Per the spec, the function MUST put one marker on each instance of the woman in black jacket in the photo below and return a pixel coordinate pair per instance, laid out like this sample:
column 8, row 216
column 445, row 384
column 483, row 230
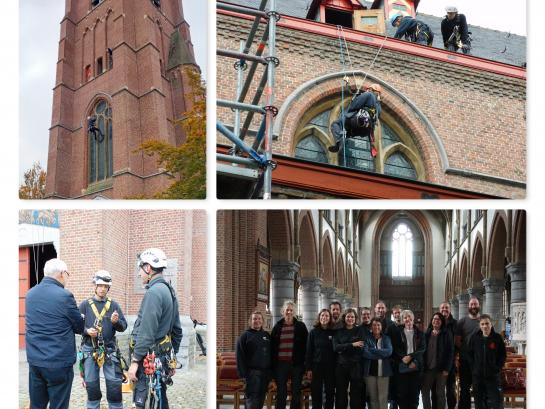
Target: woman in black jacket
column 348, row 344
column 320, row 360
column 409, row 344
column 438, row 361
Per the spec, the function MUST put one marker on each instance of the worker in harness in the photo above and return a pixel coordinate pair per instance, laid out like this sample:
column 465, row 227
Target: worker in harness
column 359, row 119
column 413, row 30
column 103, row 318
column 455, row 32
column 156, row 336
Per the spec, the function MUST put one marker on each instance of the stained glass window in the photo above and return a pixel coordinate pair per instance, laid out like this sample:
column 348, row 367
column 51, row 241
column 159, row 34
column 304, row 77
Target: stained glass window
column 100, row 144
column 402, row 251
column 321, row 120
column 398, row 165
column 358, row 154
column 310, row 148
column 389, row 137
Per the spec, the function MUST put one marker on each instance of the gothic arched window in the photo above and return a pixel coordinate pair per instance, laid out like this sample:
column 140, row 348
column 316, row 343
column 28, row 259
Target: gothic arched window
column 397, row 164
column 310, row 148
column 394, row 144
column 100, row 143
column 402, row 252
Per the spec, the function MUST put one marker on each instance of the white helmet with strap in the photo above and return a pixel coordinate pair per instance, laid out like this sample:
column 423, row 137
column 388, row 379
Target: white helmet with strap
column 154, row 257
column 103, row 277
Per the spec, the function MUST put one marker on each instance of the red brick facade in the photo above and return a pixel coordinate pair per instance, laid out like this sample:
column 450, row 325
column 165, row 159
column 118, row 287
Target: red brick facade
column 91, row 240
column 142, row 80
column 476, row 117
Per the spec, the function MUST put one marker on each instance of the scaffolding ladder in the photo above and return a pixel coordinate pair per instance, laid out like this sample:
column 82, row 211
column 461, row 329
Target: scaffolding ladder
column 258, row 163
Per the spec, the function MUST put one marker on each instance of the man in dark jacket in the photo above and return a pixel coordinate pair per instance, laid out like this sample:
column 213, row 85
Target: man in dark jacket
column 52, row 318
column 360, row 118
column 412, row 29
column 487, row 356
column 450, row 326
column 455, row 32
column 157, row 327
column 254, row 361
column 289, row 341
column 103, row 318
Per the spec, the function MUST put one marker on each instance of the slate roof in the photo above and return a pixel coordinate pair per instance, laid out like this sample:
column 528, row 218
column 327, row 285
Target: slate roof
column 487, row 43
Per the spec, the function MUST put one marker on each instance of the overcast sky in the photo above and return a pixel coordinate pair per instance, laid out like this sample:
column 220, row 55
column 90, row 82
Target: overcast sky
column 39, row 40
column 503, row 15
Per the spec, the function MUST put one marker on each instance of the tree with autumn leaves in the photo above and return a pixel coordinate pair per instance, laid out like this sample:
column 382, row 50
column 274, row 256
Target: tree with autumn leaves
column 187, row 162
column 33, row 186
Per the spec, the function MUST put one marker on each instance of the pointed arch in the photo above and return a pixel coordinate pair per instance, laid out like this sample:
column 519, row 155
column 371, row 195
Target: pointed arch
column 477, row 262
column 519, row 237
column 327, row 261
column 280, row 238
column 340, row 281
column 307, row 243
column 498, row 243
column 464, row 272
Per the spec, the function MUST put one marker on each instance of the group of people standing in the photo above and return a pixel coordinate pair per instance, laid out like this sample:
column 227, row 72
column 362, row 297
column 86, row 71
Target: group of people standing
column 454, row 30
column 361, row 362
column 52, row 318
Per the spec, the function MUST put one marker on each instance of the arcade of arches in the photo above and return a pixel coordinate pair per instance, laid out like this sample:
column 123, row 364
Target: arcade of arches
column 415, row 258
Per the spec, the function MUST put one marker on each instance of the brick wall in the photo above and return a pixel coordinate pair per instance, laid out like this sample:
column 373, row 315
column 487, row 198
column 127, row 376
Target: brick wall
column 479, row 116
column 111, row 239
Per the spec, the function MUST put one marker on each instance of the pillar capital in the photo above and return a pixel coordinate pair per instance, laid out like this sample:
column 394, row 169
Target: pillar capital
column 463, row 298
column 493, row 285
column 284, row 270
column 476, row 292
column 517, row 271
column 311, row 283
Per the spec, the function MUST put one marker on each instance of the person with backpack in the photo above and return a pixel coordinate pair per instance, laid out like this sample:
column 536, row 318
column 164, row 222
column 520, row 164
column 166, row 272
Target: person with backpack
column 413, row 30
column 157, row 332
column 455, row 32
column 359, row 119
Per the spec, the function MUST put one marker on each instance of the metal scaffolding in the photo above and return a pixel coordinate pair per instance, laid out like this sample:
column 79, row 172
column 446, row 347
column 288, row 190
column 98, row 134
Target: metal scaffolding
column 259, row 155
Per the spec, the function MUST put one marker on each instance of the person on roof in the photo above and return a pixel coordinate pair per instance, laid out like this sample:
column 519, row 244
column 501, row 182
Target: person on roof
column 412, row 29
column 103, row 318
column 454, row 31
column 360, row 118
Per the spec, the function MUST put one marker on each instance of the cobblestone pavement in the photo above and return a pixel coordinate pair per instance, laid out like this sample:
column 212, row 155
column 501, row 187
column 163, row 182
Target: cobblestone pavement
column 188, row 391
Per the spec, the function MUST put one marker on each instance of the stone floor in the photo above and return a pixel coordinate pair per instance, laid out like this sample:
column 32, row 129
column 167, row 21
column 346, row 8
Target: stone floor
column 188, row 391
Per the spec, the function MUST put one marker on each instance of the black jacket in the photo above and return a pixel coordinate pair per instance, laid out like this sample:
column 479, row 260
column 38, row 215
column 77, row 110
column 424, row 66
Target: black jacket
column 320, row 348
column 253, row 351
column 447, row 26
column 486, row 354
column 361, row 101
column 108, row 329
column 399, row 343
column 342, row 345
column 445, row 350
column 299, row 341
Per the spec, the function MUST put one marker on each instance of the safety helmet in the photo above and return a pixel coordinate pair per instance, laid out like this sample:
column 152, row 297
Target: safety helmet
column 451, row 9
column 394, row 18
column 154, row 257
column 103, row 277
column 375, row 87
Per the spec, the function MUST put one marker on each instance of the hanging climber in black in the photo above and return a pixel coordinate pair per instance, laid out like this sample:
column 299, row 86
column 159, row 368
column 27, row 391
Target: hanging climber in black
column 359, row 119
column 454, row 31
column 412, row 29
column 92, row 129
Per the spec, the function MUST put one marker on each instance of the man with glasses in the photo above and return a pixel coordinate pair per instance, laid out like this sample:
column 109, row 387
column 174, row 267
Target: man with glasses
column 52, row 318
column 103, row 318
column 157, row 329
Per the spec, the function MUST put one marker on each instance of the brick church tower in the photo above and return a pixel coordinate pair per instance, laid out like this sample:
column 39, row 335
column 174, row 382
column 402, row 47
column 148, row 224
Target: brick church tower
column 120, row 81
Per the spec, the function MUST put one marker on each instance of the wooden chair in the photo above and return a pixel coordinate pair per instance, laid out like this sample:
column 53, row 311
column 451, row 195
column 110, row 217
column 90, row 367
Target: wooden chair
column 229, row 388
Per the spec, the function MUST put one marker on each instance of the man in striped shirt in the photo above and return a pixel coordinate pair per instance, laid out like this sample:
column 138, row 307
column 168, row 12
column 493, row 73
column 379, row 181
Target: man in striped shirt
column 289, row 340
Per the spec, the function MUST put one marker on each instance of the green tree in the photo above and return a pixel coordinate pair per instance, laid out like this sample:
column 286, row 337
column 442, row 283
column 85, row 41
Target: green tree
column 33, row 186
column 187, row 162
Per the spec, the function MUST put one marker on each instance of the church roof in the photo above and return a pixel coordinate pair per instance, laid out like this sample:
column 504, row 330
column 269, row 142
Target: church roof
column 487, row 43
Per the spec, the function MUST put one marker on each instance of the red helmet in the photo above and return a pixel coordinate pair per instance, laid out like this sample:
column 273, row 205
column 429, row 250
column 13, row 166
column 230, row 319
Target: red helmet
column 375, row 87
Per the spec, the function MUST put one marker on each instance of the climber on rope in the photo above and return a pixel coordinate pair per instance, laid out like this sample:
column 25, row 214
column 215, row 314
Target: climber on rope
column 412, row 29
column 455, row 32
column 359, row 119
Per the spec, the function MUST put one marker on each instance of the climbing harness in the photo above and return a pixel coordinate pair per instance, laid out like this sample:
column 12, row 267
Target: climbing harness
column 99, row 351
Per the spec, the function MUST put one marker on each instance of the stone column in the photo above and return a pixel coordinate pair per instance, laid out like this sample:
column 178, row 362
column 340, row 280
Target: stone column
column 494, row 301
column 327, row 295
column 463, row 300
column 282, row 288
column 310, row 300
column 517, row 272
column 454, row 309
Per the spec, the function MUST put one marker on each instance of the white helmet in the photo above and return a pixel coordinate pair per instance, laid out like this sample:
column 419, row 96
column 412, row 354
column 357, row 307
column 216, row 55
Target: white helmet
column 451, row 9
column 154, row 257
column 103, row 277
